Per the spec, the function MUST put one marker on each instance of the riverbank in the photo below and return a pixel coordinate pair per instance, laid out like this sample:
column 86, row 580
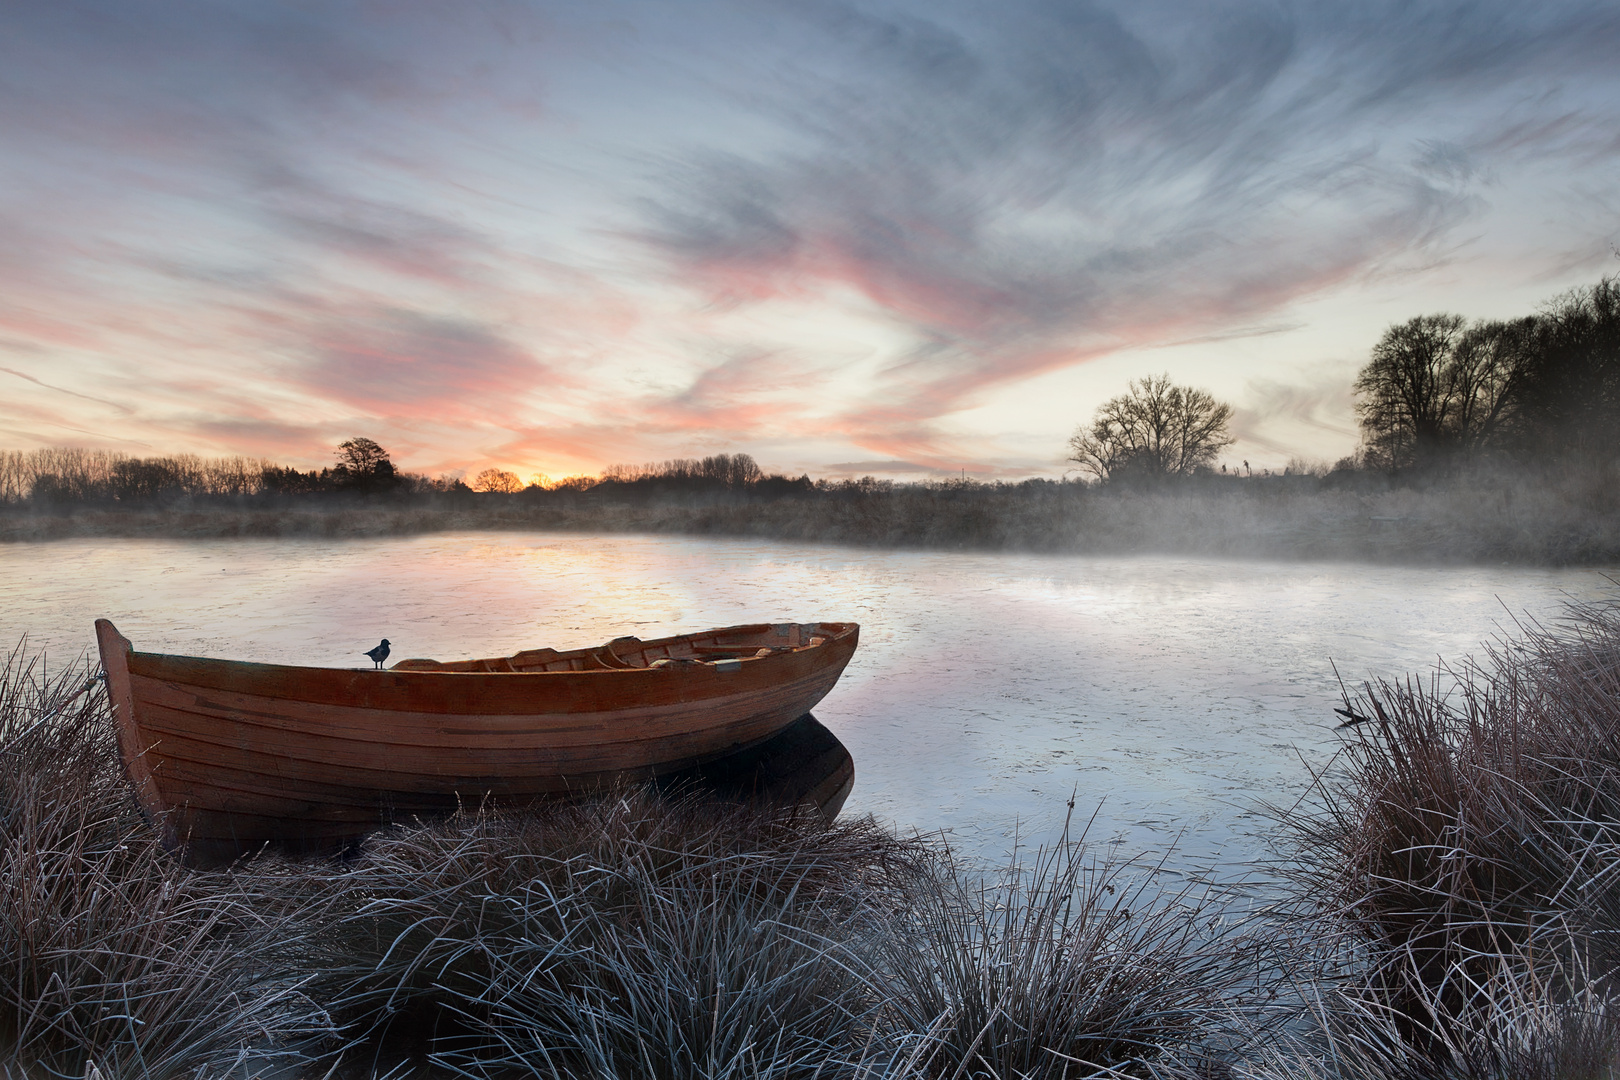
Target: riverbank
column 1548, row 520
column 1456, row 900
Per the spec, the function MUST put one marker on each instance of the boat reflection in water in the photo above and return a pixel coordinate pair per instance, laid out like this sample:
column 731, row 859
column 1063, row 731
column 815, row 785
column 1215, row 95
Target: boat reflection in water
column 804, row 765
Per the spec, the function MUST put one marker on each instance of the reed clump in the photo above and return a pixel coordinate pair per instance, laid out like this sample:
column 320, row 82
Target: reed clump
column 631, row 935
column 1520, row 1031
column 1466, row 845
column 638, row 936
column 1065, row 966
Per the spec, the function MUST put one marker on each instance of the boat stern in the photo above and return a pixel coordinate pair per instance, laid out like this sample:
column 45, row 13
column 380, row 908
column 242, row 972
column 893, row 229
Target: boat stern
column 132, row 746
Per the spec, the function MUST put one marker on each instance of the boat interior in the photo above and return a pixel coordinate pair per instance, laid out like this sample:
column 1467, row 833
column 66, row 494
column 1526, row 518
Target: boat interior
column 724, row 647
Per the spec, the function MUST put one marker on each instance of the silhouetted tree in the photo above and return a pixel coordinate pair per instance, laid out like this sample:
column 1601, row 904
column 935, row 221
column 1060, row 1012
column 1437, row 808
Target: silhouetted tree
column 730, row 470
column 497, row 480
column 362, row 456
column 363, row 465
column 137, row 479
column 1157, row 429
column 1436, row 388
column 1487, row 379
column 733, row 471
column 281, row 480
column 1404, row 401
column 1569, row 402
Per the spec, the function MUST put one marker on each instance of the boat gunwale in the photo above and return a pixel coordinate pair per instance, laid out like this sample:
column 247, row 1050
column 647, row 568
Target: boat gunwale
column 843, row 630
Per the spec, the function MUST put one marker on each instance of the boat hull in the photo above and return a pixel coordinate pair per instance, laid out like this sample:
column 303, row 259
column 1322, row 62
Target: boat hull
column 228, row 756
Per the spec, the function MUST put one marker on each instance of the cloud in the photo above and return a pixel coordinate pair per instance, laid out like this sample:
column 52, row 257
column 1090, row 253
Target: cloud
column 266, row 225
column 61, row 390
column 892, row 465
column 1062, row 180
column 268, row 436
column 394, row 239
column 1275, row 412
column 402, row 364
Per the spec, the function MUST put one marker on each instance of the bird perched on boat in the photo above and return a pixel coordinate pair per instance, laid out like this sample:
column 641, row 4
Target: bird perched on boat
column 379, row 654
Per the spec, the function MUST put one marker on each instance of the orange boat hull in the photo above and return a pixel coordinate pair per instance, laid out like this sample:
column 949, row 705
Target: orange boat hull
column 227, row 756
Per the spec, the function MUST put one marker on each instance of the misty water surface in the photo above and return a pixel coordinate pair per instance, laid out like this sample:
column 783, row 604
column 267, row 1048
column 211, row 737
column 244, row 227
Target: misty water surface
column 1173, row 693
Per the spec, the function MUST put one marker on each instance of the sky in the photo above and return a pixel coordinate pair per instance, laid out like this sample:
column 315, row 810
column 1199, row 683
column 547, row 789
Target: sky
column 906, row 239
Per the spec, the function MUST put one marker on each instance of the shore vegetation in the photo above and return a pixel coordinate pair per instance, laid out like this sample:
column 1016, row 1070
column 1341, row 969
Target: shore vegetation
column 1558, row 513
column 1448, row 908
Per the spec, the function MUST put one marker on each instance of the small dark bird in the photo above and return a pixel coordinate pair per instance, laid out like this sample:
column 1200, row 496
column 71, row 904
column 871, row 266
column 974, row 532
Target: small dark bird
column 380, row 653
column 1352, row 718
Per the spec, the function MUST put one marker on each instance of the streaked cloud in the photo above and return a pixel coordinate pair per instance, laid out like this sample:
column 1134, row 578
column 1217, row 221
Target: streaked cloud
column 399, row 363
column 550, row 237
column 1069, row 179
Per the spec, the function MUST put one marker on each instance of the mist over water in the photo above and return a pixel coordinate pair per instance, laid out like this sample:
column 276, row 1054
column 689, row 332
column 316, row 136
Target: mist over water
column 1174, row 692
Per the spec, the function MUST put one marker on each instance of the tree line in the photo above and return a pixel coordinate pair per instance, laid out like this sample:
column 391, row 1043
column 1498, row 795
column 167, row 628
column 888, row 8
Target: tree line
column 1439, row 390
column 58, row 475
column 74, row 474
column 362, row 469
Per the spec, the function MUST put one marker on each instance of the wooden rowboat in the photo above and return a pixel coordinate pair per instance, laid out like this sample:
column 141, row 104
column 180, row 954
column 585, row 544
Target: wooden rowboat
column 227, row 756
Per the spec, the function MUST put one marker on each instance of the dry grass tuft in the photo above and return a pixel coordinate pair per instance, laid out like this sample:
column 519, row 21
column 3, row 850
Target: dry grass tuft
column 1468, row 847
column 1519, row 1028
column 1066, row 966
column 627, row 935
column 111, row 955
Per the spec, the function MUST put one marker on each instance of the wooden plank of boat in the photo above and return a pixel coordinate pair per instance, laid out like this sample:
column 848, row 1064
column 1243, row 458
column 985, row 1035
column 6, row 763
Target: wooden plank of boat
column 229, row 755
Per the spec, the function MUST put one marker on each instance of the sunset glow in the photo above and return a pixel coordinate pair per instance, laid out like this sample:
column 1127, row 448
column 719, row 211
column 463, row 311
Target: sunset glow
column 898, row 238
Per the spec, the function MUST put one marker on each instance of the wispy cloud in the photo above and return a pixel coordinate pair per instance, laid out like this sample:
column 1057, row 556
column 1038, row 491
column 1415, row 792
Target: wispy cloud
column 502, row 229
column 1274, row 412
column 399, row 363
column 61, row 390
column 1059, row 181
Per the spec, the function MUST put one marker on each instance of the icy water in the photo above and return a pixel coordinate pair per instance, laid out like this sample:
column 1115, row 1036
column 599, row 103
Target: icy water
column 1169, row 695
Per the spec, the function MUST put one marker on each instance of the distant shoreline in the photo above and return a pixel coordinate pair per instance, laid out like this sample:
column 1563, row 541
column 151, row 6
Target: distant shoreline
column 1524, row 523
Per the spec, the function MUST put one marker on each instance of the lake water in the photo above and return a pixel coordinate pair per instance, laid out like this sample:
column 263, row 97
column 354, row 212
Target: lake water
column 1169, row 695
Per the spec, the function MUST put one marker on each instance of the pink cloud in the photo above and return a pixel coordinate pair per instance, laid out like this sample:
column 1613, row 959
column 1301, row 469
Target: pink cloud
column 404, row 365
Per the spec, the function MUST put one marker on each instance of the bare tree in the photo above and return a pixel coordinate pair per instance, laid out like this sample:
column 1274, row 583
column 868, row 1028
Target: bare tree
column 497, row 480
column 1571, row 396
column 1157, row 429
column 362, row 456
column 1405, row 402
column 723, row 470
column 1436, row 387
column 1486, row 379
column 732, row 470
